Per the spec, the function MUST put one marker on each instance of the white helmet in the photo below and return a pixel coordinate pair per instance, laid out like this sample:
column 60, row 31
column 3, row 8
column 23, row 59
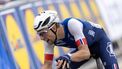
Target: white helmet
column 45, row 20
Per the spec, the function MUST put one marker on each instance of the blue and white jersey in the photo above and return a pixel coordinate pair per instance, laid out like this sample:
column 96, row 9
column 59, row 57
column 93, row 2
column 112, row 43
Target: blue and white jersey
column 78, row 31
column 84, row 32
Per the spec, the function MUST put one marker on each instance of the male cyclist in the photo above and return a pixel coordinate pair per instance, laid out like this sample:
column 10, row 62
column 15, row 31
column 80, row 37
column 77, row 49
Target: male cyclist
column 87, row 38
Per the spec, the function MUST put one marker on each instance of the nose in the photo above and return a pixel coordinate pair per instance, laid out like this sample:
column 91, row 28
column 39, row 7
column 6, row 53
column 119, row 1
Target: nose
column 43, row 38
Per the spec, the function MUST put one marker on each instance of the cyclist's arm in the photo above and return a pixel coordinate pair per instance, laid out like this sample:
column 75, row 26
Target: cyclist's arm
column 48, row 56
column 76, row 29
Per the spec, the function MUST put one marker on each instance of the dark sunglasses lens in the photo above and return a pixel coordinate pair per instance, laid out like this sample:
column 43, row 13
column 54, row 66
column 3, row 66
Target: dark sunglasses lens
column 42, row 33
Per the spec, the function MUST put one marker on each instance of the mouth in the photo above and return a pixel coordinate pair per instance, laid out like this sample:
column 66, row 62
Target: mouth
column 49, row 41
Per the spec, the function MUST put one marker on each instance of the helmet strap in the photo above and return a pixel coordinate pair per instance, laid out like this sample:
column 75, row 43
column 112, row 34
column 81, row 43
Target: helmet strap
column 54, row 33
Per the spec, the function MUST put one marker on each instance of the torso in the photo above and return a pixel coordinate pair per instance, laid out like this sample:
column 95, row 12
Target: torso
column 89, row 30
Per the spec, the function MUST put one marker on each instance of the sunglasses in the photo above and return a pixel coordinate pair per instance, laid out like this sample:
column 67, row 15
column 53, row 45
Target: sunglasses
column 42, row 33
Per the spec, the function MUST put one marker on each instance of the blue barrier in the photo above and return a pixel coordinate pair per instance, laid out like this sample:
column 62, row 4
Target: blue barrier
column 8, row 61
column 4, row 62
column 21, row 13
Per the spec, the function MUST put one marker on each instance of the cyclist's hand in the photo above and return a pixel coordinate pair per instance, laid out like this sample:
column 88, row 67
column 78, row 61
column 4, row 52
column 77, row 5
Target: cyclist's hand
column 63, row 62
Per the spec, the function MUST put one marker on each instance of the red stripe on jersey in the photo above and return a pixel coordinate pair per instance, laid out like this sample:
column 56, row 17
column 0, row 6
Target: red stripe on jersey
column 78, row 42
column 48, row 56
column 83, row 41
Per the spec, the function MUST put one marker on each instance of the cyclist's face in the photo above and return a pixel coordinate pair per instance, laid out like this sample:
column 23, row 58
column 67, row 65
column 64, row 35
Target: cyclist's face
column 47, row 35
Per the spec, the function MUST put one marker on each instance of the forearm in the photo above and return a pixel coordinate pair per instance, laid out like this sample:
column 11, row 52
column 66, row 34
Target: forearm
column 47, row 65
column 80, row 55
column 48, row 56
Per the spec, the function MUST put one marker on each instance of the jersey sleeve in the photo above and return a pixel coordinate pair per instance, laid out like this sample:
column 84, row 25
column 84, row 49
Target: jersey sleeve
column 76, row 29
column 49, row 51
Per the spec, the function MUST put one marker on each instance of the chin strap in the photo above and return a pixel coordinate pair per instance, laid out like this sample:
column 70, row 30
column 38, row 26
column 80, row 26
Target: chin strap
column 54, row 33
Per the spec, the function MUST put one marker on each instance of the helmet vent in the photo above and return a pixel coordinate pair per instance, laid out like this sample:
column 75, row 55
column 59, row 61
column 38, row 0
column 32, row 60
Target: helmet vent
column 38, row 25
column 46, row 21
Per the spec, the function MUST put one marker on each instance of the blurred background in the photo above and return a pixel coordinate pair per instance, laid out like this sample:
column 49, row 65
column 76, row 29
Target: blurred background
column 20, row 46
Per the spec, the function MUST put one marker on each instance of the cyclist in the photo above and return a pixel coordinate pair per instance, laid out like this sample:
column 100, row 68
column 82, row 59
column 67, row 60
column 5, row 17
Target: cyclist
column 87, row 38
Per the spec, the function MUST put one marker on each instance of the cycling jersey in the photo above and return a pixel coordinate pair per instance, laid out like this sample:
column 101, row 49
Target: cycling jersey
column 85, row 32
column 78, row 30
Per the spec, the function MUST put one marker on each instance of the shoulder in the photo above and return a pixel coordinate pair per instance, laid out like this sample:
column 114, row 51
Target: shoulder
column 75, row 26
column 66, row 20
column 74, row 20
column 74, row 23
column 71, row 19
